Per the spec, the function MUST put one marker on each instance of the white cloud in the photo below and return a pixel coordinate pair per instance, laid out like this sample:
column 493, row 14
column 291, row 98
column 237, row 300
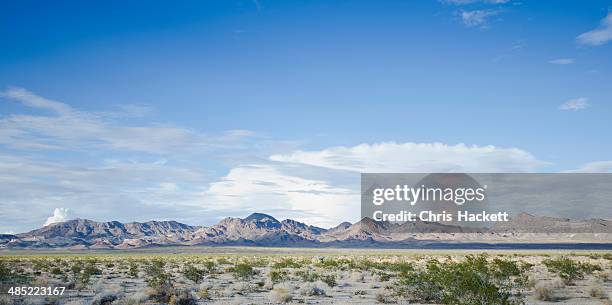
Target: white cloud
column 594, row 167
column 59, row 215
column 477, row 17
column 322, row 187
column 600, row 35
column 575, row 104
column 268, row 188
column 562, row 61
column 417, row 157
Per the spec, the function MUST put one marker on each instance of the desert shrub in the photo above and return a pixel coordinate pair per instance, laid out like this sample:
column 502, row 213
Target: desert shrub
column 133, row 269
column 8, row 276
column 243, row 271
column 242, row 287
column 336, row 263
column 568, row 269
column 383, row 276
column 277, row 276
column 473, row 281
column 605, row 275
column 589, row 268
column 402, row 267
column 159, row 281
column 286, row 263
column 209, row 266
column 595, row 289
column 81, row 275
column 307, row 276
column 204, row 292
column 544, row 291
column 329, row 279
column 313, row 289
column 5, row 300
column 280, row 294
column 182, row 297
column 106, row 298
column 357, row 276
column 40, row 265
column 192, row 273
column 91, row 269
column 384, row 298
column 607, row 256
column 56, row 271
column 223, row 261
column 136, row 298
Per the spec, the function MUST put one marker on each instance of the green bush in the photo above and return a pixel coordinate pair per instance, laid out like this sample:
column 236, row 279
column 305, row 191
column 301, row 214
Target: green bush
column 159, row 281
column 330, row 280
column 277, row 276
column 307, row 276
column 192, row 273
column 472, row 281
column 286, row 263
column 568, row 269
column 133, row 269
column 243, row 271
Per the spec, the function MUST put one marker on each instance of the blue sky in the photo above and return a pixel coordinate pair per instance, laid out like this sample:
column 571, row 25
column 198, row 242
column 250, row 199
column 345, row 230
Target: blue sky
column 205, row 109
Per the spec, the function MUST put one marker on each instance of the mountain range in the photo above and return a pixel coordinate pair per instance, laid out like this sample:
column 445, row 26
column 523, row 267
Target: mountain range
column 264, row 230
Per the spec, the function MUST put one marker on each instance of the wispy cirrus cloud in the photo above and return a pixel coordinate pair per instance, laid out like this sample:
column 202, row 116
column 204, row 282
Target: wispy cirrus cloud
column 466, row 2
column 478, row 18
column 598, row 36
column 562, row 61
column 594, row 167
column 102, row 166
column 575, row 104
column 68, row 128
column 417, row 157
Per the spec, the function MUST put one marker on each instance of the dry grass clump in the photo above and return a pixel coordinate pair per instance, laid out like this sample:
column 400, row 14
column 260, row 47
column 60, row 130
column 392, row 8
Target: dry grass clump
column 384, row 298
column 5, row 300
column 606, row 302
column 136, row 298
column 204, row 291
column 595, row 289
column 605, row 275
column 182, row 297
column 240, row 288
column 357, row 276
column 280, row 294
column 545, row 291
column 318, row 288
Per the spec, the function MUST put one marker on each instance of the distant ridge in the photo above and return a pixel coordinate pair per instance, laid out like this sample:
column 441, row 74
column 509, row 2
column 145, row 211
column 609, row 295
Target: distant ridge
column 260, row 229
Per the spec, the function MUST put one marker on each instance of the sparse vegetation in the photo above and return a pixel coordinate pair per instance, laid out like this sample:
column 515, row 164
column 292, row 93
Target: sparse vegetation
column 456, row 279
